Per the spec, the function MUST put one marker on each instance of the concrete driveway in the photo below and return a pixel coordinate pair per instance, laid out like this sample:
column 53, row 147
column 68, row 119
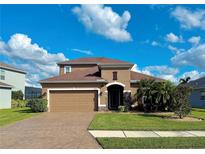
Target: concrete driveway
column 50, row 130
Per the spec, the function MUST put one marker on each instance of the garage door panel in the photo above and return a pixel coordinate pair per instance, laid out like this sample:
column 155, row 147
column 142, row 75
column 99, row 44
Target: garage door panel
column 73, row 101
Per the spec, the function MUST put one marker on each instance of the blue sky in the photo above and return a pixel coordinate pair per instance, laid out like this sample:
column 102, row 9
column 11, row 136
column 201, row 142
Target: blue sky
column 162, row 40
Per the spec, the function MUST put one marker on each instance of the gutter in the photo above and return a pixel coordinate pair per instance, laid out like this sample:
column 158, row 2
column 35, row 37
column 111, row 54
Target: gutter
column 115, row 65
column 99, row 64
column 4, row 86
column 13, row 69
column 75, row 81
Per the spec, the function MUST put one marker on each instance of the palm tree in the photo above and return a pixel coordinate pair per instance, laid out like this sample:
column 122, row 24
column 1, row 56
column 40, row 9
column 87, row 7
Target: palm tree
column 185, row 80
column 155, row 95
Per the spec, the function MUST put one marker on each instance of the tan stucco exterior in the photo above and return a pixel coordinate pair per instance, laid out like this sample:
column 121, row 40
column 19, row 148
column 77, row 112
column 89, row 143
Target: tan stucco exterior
column 75, row 68
column 123, row 77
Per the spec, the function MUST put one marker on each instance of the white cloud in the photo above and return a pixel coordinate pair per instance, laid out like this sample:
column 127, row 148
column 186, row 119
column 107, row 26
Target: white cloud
column 104, row 21
column 171, row 78
column 192, row 57
column 168, row 73
column 171, row 37
column 87, row 52
column 176, row 50
column 35, row 60
column 188, row 18
column 163, row 69
column 194, row 40
column 192, row 74
column 135, row 68
column 154, row 43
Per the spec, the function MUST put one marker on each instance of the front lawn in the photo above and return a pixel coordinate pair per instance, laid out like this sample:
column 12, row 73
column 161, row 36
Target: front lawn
column 152, row 143
column 8, row 116
column 132, row 121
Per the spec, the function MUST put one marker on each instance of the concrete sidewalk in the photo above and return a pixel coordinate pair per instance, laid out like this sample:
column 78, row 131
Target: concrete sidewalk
column 120, row 133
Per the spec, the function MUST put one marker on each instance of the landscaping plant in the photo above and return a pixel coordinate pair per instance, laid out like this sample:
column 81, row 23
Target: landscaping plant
column 182, row 106
column 155, row 96
column 127, row 100
column 18, row 103
column 121, row 108
column 17, row 95
column 38, row 105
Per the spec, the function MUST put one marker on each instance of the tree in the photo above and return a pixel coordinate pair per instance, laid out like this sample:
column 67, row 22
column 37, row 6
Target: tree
column 182, row 106
column 144, row 94
column 185, row 80
column 17, row 95
column 155, row 96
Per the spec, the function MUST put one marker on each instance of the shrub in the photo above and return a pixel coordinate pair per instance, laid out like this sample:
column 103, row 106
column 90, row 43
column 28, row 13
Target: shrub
column 38, row 105
column 18, row 103
column 121, row 108
column 17, row 95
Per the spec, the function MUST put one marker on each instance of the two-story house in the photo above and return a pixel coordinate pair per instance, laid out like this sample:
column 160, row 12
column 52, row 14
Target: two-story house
column 11, row 79
column 91, row 84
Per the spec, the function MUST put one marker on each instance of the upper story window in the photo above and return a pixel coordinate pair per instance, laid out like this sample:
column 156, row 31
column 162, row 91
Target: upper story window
column 67, row 69
column 2, row 74
column 114, row 75
column 202, row 95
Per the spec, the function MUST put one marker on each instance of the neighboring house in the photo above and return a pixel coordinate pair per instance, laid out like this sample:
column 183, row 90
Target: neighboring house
column 12, row 76
column 32, row 92
column 5, row 96
column 91, row 84
column 11, row 79
column 197, row 97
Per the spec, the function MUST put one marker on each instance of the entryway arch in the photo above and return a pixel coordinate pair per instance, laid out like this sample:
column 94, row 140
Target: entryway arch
column 115, row 95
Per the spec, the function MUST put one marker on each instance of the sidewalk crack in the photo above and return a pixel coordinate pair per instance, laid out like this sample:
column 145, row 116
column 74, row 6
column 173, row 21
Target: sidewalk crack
column 124, row 134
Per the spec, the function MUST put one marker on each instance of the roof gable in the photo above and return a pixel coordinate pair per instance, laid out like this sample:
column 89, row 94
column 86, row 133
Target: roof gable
column 91, row 74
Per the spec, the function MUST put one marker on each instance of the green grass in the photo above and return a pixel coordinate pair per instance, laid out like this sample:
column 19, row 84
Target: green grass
column 120, row 121
column 8, row 116
column 152, row 143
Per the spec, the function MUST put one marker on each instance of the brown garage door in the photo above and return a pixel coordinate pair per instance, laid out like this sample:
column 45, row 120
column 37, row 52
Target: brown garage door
column 73, row 101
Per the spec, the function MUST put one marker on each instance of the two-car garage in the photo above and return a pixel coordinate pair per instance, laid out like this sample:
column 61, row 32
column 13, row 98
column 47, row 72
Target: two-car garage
column 68, row 100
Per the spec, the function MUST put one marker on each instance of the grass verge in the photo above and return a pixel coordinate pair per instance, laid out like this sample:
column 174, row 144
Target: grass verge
column 153, row 143
column 133, row 121
column 8, row 116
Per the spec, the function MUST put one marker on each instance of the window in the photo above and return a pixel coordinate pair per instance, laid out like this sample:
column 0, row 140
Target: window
column 202, row 95
column 67, row 69
column 2, row 74
column 114, row 75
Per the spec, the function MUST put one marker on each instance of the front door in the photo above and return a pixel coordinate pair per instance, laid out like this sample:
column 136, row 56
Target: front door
column 115, row 96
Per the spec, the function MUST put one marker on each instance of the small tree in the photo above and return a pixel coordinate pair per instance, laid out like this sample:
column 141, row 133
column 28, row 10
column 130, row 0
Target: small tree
column 182, row 106
column 127, row 101
column 17, row 95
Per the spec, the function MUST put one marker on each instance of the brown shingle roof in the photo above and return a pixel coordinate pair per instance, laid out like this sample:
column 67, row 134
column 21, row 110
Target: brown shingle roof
column 91, row 74
column 5, row 85
column 94, row 60
column 6, row 66
column 141, row 76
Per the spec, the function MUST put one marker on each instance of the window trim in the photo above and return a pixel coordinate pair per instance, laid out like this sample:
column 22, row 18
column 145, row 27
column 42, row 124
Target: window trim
column 114, row 75
column 65, row 67
column 2, row 74
column 202, row 96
